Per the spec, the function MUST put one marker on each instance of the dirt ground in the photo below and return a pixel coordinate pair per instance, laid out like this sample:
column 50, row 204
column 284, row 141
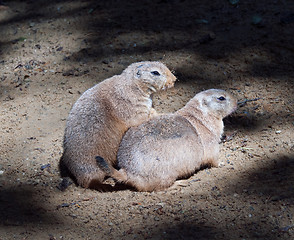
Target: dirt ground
column 52, row 51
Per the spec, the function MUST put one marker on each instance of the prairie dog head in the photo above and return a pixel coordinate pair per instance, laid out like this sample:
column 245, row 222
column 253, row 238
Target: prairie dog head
column 153, row 75
column 216, row 102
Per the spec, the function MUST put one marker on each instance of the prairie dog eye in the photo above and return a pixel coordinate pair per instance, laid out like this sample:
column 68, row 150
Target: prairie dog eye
column 221, row 98
column 155, row 73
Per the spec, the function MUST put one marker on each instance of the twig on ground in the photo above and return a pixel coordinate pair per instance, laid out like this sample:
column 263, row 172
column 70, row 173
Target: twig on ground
column 242, row 103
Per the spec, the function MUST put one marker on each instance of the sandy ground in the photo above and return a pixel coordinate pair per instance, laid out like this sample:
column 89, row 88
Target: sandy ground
column 52, row 51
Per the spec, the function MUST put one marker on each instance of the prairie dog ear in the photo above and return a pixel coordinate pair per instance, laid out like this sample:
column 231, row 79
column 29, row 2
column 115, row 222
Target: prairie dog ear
column 204, row 102
column 139, row 73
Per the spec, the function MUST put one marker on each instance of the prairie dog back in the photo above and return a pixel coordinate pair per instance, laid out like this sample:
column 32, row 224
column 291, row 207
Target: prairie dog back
column 149, row 154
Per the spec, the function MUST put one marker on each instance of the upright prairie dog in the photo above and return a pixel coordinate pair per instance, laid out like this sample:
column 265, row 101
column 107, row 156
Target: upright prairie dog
column 153, row 155
column 100, row 117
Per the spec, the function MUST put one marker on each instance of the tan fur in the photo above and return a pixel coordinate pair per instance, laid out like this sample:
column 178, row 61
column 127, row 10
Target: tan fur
column 101, row 116
column 153, row 155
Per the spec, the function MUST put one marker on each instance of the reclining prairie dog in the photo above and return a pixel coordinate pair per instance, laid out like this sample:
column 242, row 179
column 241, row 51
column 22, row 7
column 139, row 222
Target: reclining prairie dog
column 100, row 117
column 153, row 155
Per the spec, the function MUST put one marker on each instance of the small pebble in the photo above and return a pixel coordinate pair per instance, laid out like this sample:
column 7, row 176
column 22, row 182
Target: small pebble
column 65, row 205
column 45, row 166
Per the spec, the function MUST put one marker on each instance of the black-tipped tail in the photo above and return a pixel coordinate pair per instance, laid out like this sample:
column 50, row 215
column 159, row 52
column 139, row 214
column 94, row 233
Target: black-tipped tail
column 103, row 165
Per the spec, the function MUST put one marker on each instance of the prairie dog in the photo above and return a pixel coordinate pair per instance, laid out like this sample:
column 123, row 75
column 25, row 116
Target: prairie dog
column 153, row 155
column 100, row 117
